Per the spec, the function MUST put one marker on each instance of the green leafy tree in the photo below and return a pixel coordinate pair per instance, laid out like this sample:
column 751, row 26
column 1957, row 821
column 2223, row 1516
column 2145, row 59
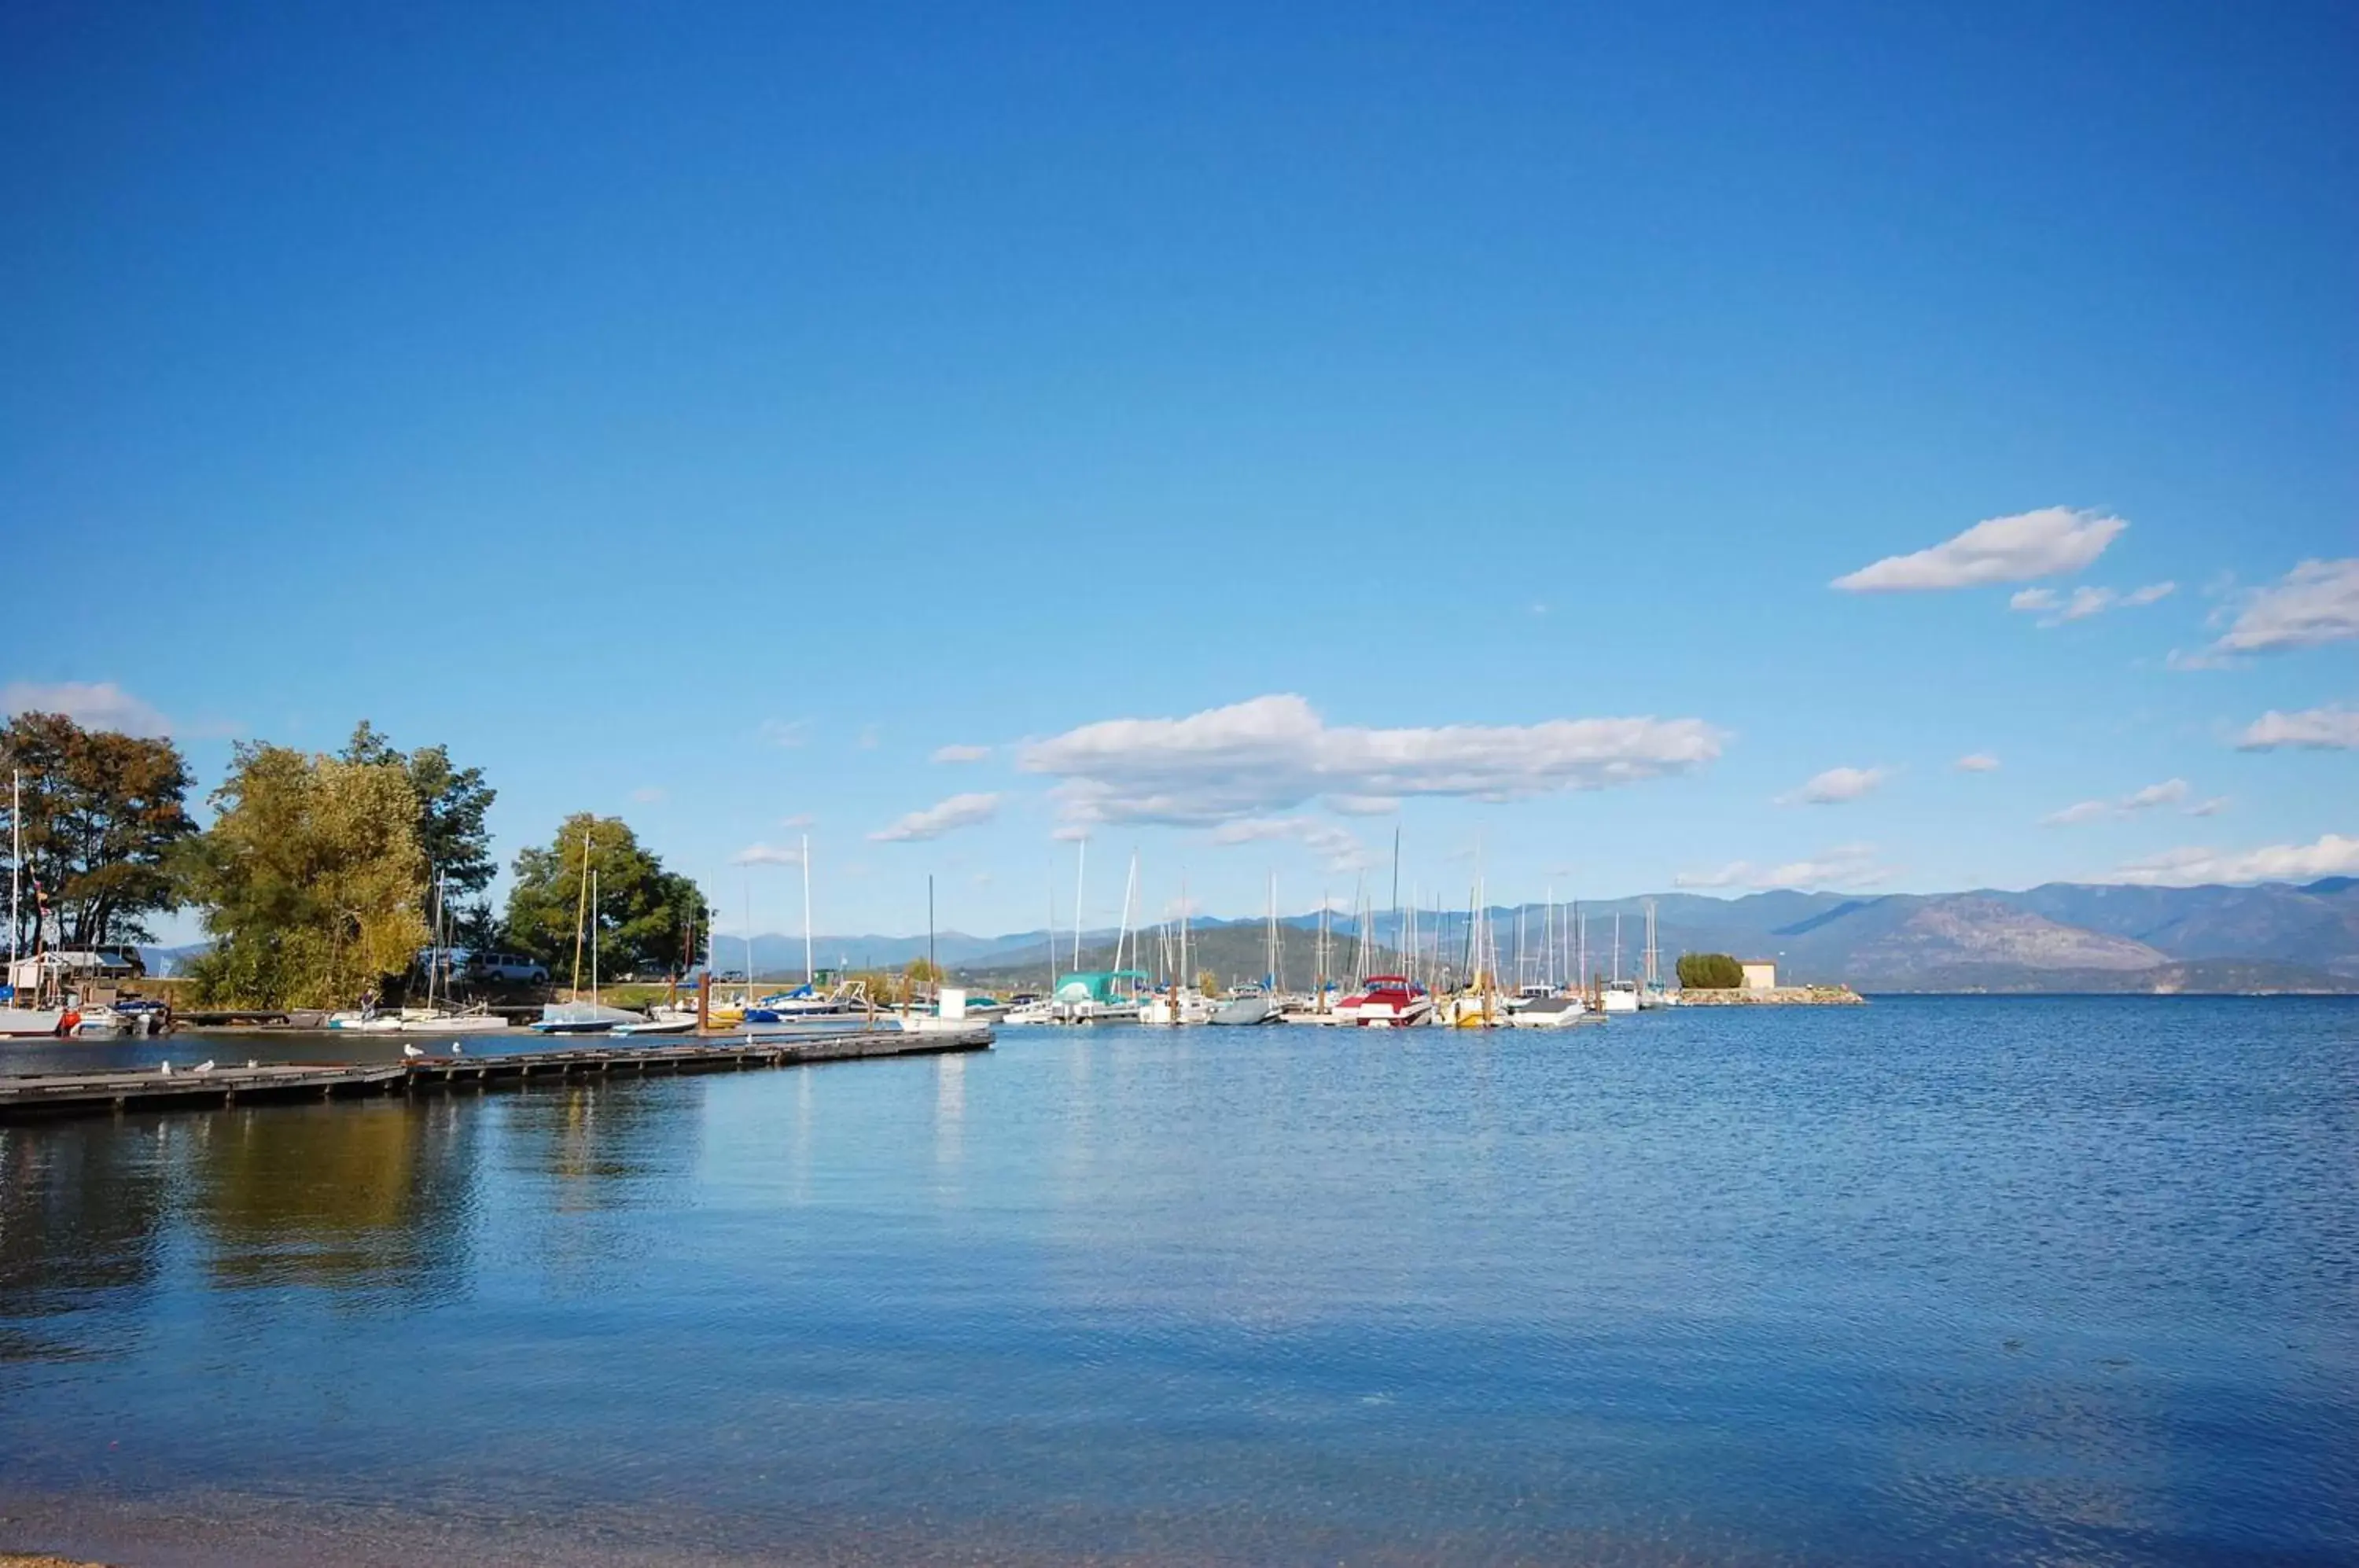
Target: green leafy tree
column 453, row 806
column 643, row 915
column 1709, row 972
column 103, row 814
column 309, row 880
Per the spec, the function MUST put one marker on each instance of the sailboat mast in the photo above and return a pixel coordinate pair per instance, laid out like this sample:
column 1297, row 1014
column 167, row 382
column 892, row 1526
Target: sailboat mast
column 809, row 973
column 16, row 862
column 581, row 913
column 594, row 939
column 1081, row 872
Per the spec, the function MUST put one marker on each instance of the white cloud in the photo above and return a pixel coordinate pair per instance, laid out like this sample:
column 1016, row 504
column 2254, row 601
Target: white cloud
column 1836, row 785
column 768, row 854
column 2332, row 855
column 1977, row 762
column 799, row 820
column 2317, row 603
column 2330, row 728
column 1363, row 805
column 1336, row 845
column 2170, row 793
column 961, row 753
column 99, row 705
column 1845, row 866
column 958, row 812
column 2044, row 543
column 2085, row 600
column 871, row 736
column 648, row 794
column 1258, row 758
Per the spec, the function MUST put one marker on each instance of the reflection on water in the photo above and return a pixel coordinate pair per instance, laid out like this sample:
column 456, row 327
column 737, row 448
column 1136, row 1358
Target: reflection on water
column 1953, row 1280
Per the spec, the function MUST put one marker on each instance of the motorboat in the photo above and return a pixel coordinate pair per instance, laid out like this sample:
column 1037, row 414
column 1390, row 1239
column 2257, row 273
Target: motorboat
column 1386, row 1001
column 1252, row 1006
column 1619, row 996
column 1552, row 1012
column 30, row 1023
column 1179, row 1006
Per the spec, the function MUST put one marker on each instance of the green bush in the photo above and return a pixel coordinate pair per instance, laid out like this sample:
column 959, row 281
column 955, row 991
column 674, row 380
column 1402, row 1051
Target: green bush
column 1709, row 972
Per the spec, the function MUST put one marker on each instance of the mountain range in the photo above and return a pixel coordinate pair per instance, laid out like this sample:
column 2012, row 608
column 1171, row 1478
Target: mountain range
column 2061, row 936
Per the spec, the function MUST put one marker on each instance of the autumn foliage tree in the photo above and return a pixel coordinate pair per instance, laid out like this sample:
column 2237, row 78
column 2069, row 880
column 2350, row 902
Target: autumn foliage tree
column 103, row 814
column 310, row 877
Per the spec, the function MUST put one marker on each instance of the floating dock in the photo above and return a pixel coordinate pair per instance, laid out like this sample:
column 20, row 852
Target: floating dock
column 37, row 1094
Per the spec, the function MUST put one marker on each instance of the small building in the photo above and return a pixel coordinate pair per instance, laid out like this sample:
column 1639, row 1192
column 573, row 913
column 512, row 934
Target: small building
column 1760, row 973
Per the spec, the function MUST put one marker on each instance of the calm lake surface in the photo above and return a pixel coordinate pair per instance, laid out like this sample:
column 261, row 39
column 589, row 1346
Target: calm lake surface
column 2054, row 1281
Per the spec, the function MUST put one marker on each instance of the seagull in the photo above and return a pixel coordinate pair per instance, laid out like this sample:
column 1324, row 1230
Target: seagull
column 252, row 1062
column 411, row 1053
column 204, row 1066
column 167, row 1067
column 457, row 1050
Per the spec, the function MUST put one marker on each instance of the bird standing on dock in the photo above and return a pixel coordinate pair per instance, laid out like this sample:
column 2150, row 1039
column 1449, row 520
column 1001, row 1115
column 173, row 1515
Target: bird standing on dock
column 410, row 1053
column 458, row 1049
column 204, row 1066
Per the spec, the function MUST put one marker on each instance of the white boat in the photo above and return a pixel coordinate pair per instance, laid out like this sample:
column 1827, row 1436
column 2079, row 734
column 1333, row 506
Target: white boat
column 1552, row 1012
column 30, row 1023
column 1619, row 996
column 1386, row 1001
column 99, row 1022
column 1248, row 1007
column 365, row 1020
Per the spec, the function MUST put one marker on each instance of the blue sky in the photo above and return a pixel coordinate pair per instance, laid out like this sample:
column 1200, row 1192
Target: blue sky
column 706, row 415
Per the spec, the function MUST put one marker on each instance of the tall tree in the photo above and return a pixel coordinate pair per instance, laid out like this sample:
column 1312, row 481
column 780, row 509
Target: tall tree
column 452, row 805
column 643, row 914
column 103, row 812
column 310, row 878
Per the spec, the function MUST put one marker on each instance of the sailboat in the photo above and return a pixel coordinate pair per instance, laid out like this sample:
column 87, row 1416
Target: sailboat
column 577, row 1016
column 1258, row 1004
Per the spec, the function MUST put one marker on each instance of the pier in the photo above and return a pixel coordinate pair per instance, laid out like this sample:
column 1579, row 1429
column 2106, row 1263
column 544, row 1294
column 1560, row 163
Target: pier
column 41, row 1095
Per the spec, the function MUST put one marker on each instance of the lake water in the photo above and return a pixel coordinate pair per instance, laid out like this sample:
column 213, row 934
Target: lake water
column 2032, row 1280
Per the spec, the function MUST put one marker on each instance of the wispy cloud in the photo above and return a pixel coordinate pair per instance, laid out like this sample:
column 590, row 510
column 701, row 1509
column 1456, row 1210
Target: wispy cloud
column 961, row 753
column 1335, row 845
column 2044, row 543
column 2334, row 855
column 2330, row 728
column 1845, row 866
column 799, row 820
column 2153, row 796
column 768, row 854
column 1977, row 762
column 958, row 812
column 786, row 733
column 2315, row 602
column 2055, row 609
column 95, row 706
column 648, row 794
column 1836, row 787
column 1266, row 756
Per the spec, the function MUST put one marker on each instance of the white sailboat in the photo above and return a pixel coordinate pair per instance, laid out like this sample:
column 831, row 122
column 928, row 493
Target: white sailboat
column 17, row 1021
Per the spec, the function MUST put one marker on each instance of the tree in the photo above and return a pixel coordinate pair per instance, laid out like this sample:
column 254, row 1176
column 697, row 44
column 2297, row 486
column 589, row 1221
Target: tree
column 103, row 814
column 453, row 803
column 1709, row 972
column 310, row 878
column 644, row 913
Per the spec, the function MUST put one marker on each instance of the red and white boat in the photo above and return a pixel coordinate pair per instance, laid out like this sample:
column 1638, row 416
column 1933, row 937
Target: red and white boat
column 1386, row 1001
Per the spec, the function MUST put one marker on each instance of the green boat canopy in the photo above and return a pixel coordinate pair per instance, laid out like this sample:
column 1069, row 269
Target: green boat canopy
column 1100, row 985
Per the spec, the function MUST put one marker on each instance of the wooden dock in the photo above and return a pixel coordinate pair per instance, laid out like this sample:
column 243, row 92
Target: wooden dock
column 37, row 1094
